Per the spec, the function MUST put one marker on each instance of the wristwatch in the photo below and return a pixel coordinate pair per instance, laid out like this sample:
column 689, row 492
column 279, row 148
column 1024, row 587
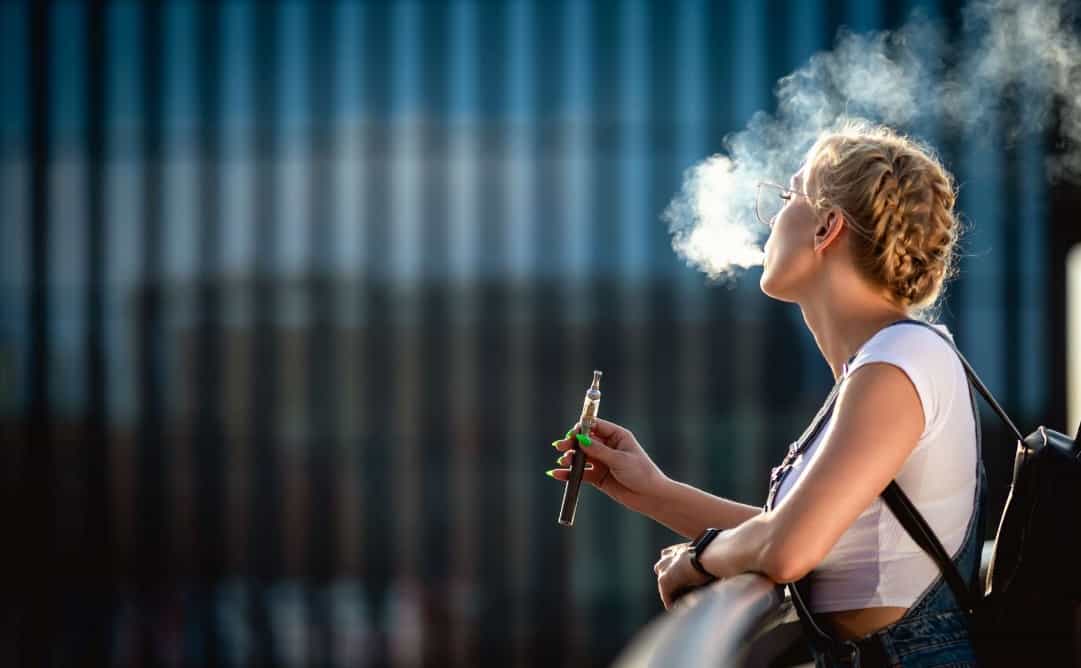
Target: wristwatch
column 698, row 545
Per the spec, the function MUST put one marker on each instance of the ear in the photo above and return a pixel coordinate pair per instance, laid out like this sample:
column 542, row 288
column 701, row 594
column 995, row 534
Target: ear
column 828, row 229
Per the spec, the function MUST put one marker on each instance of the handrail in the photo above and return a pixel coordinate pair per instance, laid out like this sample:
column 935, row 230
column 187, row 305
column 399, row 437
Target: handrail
column 711, row 626
column 737, row 622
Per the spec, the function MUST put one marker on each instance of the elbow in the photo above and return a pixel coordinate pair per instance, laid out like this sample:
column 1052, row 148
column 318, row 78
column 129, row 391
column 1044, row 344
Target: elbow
column 785, row 564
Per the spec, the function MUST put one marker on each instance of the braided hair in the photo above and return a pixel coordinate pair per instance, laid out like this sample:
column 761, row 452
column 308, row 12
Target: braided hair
column 899, row 200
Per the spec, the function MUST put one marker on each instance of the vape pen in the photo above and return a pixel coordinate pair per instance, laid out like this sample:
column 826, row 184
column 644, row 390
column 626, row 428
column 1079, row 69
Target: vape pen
column 578, row 462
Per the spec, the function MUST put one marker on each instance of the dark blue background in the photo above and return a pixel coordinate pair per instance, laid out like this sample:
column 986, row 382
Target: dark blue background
column 293, row 298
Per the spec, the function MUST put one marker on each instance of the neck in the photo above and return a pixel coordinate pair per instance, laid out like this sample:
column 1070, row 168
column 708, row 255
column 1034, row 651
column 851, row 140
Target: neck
column 841, row 326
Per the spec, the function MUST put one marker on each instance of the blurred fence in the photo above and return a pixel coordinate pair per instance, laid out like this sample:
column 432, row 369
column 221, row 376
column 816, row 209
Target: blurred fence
column 293, row 297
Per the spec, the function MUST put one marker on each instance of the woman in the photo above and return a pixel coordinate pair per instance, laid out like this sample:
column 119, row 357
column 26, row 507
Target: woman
column 864, row 237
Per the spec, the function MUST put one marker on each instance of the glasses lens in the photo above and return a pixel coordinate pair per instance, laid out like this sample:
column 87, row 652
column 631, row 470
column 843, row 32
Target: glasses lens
column 768, row 203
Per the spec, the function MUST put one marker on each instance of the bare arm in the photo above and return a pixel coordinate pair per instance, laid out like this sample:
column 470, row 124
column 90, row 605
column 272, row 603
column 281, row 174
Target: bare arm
column 688, row 510
column 879, row 419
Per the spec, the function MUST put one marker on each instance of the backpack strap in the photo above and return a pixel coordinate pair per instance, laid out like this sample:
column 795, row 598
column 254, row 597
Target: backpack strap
column 980, row 387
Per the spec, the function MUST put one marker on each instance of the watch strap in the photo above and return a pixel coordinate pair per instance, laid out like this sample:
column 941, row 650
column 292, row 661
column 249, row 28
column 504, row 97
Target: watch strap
column 699, row 544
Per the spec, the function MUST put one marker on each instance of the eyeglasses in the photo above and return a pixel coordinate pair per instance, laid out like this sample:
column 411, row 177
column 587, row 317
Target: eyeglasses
column 770, row 198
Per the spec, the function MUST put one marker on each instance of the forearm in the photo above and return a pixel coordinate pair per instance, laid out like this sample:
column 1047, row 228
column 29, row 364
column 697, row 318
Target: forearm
column 688, row 510
column 748, row 548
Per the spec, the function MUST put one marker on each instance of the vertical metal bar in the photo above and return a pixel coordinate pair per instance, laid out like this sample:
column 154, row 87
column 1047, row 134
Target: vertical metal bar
column 97, row 576
column 982, row 339
column 580, row 204
column 717, row 320
column 643, row 293
column 15, row 282
column 150, row 541
column 690, row 74
column 38, row 594
column 520, row 22
column 604, row 329
column 1010, row 274
column 465, row 256
column 1033, row 357
column 545, row 420
column 750, row 37
column 211, row 458
column 492, row 332
column 806, row 34
column 324, row 374
column 377, row 440
column 232, row 117
column 436, row 384
column 408, row 117
column 346, row 147
column 265, row 557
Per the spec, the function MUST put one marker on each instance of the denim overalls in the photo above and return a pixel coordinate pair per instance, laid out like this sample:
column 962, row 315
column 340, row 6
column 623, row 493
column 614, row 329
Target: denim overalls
column 934, row 630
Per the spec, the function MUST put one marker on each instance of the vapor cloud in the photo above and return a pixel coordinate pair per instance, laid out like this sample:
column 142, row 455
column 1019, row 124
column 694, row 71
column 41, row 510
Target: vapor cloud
column 1016, row 64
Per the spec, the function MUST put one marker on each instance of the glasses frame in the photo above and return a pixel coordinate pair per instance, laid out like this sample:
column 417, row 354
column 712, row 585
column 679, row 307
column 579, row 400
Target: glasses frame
column 785, row 190
column 782, row 192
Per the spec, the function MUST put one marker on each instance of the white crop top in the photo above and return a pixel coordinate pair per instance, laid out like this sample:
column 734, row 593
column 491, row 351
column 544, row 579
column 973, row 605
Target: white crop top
column 875, row 562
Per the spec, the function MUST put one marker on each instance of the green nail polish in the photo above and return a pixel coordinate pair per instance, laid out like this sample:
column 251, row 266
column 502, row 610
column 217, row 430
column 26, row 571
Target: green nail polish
column 549, row 473
column 584, row 440
column 559, row 460
column 569, row 432
column 555, row 444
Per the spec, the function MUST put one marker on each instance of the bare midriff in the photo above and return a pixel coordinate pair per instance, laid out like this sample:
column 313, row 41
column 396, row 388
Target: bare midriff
column 849, row 624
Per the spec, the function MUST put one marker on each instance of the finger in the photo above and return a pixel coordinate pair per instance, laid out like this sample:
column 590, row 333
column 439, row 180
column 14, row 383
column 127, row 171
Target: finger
column 664, row 562
column 607, row 430
column 597, row 449
column 675, row 548
column 659, row 566
column 567, row 458
column 591, row 474
column 679, row 593
column 664, row 594
column 573, row 441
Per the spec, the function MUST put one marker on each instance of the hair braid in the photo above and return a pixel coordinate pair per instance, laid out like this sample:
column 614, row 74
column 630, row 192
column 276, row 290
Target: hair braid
column 902, row 201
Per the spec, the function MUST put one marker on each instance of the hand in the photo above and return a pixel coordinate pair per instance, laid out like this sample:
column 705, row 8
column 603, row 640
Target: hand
column 616, row 464
column 675, row 574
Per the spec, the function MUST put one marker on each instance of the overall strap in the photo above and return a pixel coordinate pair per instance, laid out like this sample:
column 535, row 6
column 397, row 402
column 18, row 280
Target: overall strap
column 917, row 527
column 810, row 626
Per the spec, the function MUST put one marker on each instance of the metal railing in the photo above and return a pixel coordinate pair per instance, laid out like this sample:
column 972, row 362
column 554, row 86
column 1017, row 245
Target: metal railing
column 736, row 622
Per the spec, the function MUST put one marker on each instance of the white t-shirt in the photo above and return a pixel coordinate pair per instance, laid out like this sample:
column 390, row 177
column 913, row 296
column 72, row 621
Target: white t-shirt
column 875, row 562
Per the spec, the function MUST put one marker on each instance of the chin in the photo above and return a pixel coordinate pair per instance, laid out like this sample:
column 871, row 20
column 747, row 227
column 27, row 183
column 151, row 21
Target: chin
column 764, row 282
column 769, row 285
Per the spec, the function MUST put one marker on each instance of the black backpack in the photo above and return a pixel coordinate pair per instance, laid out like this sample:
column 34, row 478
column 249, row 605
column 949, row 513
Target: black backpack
column 1029, row 611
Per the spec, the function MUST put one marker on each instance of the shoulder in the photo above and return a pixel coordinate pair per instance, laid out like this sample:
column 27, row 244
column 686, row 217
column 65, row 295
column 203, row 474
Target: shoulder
column 912, row 339
column 925, row 358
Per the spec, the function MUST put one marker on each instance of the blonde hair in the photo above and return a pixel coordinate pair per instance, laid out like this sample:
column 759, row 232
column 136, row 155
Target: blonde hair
column 901, row 199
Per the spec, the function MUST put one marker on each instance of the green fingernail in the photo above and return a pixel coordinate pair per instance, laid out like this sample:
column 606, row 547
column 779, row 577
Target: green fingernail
column 549, row 473
column 559, row 460
column 569, row 432
column 555, row 444
column 584, row 440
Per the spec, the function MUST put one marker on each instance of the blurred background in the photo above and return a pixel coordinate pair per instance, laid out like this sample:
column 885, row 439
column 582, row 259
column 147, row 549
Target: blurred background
column 294, row 297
